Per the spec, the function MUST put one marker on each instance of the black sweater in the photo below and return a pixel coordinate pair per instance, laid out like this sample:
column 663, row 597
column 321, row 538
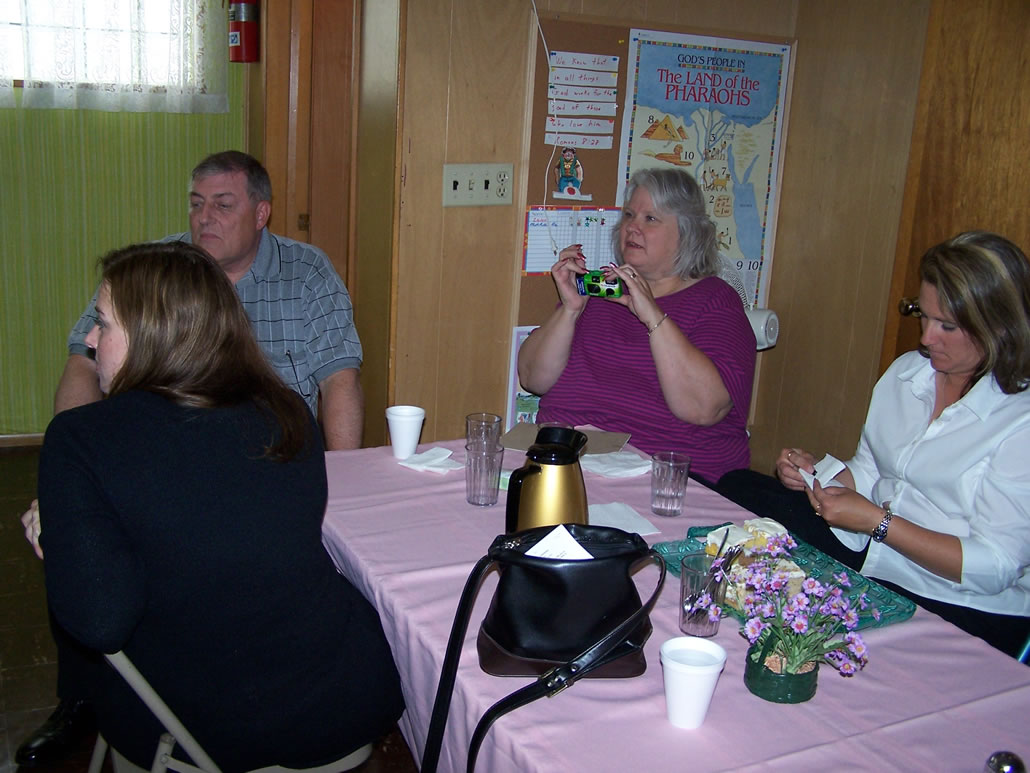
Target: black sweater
column 167, row 535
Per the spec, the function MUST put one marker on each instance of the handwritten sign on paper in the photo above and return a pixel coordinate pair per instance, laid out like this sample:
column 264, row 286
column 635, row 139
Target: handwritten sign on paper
column 585, row 61
column 566, row 107
column 594, row 142
column 586, row 93
column 580, row 125
column 605, row 80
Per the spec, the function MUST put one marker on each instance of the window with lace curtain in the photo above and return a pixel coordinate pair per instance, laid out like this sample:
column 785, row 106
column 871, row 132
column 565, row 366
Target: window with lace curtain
column 118, row 55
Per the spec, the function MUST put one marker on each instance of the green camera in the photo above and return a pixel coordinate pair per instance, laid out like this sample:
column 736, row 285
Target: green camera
column 594, row 283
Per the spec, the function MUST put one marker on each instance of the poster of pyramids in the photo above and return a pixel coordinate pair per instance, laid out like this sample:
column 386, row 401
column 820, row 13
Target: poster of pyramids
column 716, row 108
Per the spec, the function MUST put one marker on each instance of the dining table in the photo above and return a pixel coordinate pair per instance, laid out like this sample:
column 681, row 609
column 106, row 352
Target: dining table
column 931, row 698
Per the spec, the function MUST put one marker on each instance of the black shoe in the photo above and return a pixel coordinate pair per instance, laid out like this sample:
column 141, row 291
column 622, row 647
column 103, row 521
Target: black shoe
column 60, row 734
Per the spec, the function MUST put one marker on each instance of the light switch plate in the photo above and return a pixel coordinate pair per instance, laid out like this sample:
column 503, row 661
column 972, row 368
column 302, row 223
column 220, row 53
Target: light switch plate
column 477, row 185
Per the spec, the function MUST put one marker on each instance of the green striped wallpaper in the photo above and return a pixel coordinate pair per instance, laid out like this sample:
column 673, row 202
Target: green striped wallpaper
column 73, row 185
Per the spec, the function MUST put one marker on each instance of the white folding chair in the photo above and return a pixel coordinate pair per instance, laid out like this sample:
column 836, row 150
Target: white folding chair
column 178, row 734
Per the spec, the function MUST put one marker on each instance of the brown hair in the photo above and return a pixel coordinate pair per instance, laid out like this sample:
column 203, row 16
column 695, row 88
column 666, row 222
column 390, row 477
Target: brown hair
column 983, row 282
column 190, row 340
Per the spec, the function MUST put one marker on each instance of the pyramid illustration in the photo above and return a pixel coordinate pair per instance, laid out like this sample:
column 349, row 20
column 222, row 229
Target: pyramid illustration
column 664, row 130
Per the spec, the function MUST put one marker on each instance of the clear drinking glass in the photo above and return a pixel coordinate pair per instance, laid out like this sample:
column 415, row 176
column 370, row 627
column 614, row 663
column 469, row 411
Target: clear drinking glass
column 700, row 591
column 482, row 473
column 668, row 482
column 483, row 428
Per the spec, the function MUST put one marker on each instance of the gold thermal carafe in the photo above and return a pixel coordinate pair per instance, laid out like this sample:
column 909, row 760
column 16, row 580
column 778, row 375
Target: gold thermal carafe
column 548, row 489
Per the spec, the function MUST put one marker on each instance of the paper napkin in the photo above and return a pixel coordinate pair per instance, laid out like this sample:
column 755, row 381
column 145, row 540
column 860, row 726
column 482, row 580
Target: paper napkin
column 434, row 460
column 825, row 470
column 620, row 516
column 617, row 464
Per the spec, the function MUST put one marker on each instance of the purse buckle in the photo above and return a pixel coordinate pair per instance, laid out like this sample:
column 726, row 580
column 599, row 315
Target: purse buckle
column 558, row 679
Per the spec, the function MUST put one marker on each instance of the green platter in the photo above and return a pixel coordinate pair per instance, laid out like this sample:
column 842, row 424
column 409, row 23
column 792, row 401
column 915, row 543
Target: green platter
column 893, row 607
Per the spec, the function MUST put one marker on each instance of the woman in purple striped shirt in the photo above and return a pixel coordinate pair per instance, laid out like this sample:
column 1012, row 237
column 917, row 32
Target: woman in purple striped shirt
column 671, row 361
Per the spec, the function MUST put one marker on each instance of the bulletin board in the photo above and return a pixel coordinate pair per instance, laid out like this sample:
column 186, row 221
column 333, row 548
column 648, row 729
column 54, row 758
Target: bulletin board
column 600, row 165
column 722, row 108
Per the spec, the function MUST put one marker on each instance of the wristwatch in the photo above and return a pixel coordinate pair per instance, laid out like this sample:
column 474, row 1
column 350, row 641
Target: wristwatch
column 880, row 532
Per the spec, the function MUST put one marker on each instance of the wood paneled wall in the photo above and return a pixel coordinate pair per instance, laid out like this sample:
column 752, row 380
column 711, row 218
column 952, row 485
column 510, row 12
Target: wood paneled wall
column 970, row 154
column 855, row 90
column 465, row 100
column 374, row 210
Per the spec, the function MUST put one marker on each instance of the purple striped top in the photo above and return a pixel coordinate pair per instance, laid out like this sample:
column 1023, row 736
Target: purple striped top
column 611, row 381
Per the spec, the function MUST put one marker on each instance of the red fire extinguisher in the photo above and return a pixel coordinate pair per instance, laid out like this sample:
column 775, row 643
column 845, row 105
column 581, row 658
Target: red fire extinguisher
column 244, row 40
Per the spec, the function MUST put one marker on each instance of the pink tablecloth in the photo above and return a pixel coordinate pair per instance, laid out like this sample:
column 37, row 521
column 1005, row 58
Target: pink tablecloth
column 931, row 698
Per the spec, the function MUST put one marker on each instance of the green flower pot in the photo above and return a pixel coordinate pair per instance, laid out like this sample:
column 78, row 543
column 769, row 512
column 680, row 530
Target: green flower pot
column 779, row 688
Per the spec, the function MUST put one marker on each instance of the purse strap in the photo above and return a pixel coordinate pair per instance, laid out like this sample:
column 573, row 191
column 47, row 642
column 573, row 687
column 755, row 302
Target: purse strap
column 549, row 684
column 434, row 741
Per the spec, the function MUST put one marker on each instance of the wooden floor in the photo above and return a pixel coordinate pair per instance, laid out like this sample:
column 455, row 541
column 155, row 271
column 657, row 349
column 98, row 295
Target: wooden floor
column 28, row 670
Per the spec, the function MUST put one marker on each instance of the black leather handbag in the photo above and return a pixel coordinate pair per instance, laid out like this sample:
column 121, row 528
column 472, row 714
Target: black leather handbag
column 557, row 619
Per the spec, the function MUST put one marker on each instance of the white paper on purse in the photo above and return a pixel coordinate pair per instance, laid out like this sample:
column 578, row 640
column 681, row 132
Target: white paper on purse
column 559, row 544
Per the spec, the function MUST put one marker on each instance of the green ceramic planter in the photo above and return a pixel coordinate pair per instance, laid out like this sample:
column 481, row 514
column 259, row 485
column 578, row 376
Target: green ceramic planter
column 779, row 688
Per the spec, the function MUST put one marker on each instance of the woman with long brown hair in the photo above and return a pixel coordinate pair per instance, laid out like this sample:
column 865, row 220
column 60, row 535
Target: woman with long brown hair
column 181, row 523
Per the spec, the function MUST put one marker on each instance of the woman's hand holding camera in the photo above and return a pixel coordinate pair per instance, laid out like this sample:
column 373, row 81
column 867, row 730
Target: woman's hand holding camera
column 571, row 262
column 637, row 297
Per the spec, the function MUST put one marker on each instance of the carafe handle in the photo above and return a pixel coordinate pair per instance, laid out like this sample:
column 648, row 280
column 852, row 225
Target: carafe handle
column 511, row 514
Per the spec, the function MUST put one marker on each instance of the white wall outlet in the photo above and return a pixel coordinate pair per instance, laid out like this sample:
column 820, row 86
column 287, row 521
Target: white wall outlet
column 477, row 185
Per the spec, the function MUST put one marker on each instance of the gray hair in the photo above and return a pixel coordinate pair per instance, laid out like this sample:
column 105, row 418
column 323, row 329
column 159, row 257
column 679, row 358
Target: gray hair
column 673, row 191
column 259, row 185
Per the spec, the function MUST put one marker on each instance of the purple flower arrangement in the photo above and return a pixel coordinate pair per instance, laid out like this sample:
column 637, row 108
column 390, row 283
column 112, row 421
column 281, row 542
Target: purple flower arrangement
column 812, row 624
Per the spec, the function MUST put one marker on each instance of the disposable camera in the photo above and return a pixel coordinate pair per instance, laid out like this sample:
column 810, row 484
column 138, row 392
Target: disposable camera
column 594, row 283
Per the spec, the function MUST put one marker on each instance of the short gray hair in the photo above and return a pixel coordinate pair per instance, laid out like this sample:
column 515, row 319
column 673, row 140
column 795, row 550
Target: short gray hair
column 259, row 185
column 676, row 192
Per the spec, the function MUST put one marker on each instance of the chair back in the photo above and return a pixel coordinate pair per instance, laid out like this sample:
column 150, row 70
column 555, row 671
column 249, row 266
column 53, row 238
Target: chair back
column 178, row 734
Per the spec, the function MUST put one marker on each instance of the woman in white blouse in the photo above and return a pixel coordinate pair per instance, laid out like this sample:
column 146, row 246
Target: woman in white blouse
column 935, row 503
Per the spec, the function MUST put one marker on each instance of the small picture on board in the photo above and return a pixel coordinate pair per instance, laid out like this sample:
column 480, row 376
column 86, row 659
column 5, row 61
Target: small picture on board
column 522, row 405
column 568, row 177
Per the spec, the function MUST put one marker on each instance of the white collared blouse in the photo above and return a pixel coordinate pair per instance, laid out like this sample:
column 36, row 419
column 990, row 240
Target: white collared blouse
column 967, row 473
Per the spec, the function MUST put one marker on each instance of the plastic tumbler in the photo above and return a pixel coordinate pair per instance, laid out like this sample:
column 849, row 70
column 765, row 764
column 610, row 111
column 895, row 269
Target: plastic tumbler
column 483, row 428
column 668, row 482
column 482, row 473
column 701, row 595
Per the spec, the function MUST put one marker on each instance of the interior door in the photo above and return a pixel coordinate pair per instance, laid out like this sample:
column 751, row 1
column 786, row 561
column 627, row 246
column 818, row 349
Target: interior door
column 305, row 137
column 970, row 154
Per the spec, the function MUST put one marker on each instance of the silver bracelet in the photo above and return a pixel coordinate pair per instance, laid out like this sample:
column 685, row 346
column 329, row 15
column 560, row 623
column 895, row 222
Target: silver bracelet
column 880, row 532
column 650, row 330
